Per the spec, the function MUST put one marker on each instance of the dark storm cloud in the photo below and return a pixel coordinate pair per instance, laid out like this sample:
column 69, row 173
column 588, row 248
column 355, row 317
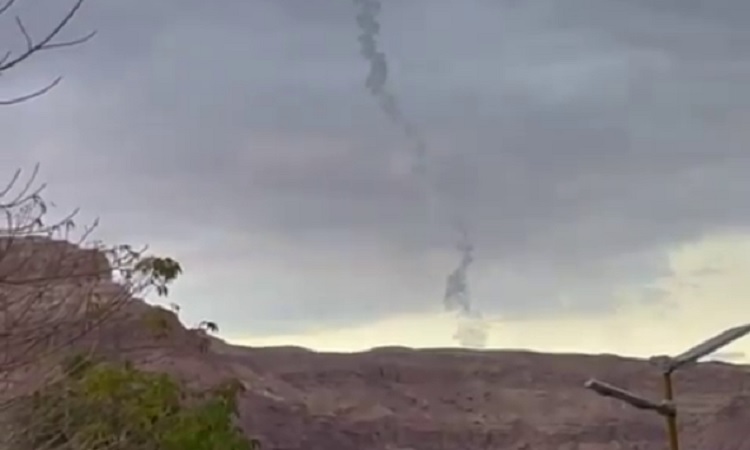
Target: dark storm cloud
column 591, row 136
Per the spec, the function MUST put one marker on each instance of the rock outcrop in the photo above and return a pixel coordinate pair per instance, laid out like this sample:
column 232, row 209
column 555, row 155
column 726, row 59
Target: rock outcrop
column 57, row 296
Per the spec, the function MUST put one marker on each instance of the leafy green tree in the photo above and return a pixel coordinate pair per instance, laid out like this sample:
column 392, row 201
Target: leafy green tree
column 99, row 406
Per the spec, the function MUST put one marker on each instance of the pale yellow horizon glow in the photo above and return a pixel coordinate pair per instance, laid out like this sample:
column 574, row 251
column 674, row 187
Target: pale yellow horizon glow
column 706, row 293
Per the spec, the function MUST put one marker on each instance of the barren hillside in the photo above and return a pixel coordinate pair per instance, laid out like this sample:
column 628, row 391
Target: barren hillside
column 397, row 398
column 451, row 399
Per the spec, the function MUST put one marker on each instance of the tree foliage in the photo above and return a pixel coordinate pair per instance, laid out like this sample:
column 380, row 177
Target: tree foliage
column 60, row 279
column 117, row 406
column 50, row 304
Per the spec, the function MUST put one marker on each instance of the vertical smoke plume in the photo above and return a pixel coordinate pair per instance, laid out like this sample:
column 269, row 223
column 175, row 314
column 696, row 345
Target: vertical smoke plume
column 377, row 77
column 472, row 331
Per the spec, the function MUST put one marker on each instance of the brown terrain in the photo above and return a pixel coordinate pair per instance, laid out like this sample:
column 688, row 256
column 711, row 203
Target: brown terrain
column 398, row 398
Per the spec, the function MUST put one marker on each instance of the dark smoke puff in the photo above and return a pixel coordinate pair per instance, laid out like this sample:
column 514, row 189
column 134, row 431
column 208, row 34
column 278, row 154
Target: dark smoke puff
column 378, row 73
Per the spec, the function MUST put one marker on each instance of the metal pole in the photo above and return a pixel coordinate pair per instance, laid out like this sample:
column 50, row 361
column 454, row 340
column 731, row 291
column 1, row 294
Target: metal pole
column 607, row 390
column 671, row 418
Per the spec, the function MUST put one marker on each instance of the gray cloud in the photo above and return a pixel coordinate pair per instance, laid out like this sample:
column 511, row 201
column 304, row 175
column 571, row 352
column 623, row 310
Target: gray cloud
column 591, row 136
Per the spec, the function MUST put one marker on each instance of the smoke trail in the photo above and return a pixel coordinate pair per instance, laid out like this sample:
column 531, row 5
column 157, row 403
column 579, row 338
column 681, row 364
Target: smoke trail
column 472, row 331
column 377, row 77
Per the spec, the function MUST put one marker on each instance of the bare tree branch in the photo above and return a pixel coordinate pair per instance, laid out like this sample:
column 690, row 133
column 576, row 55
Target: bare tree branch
column 9, row 61
column 60, row 294
column 6, row 6
column 32, row 95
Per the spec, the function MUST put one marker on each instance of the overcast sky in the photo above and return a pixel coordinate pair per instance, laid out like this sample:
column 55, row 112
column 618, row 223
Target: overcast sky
column 590, row 145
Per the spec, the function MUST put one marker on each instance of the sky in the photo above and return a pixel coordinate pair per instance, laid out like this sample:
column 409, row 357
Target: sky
column 595, row 149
